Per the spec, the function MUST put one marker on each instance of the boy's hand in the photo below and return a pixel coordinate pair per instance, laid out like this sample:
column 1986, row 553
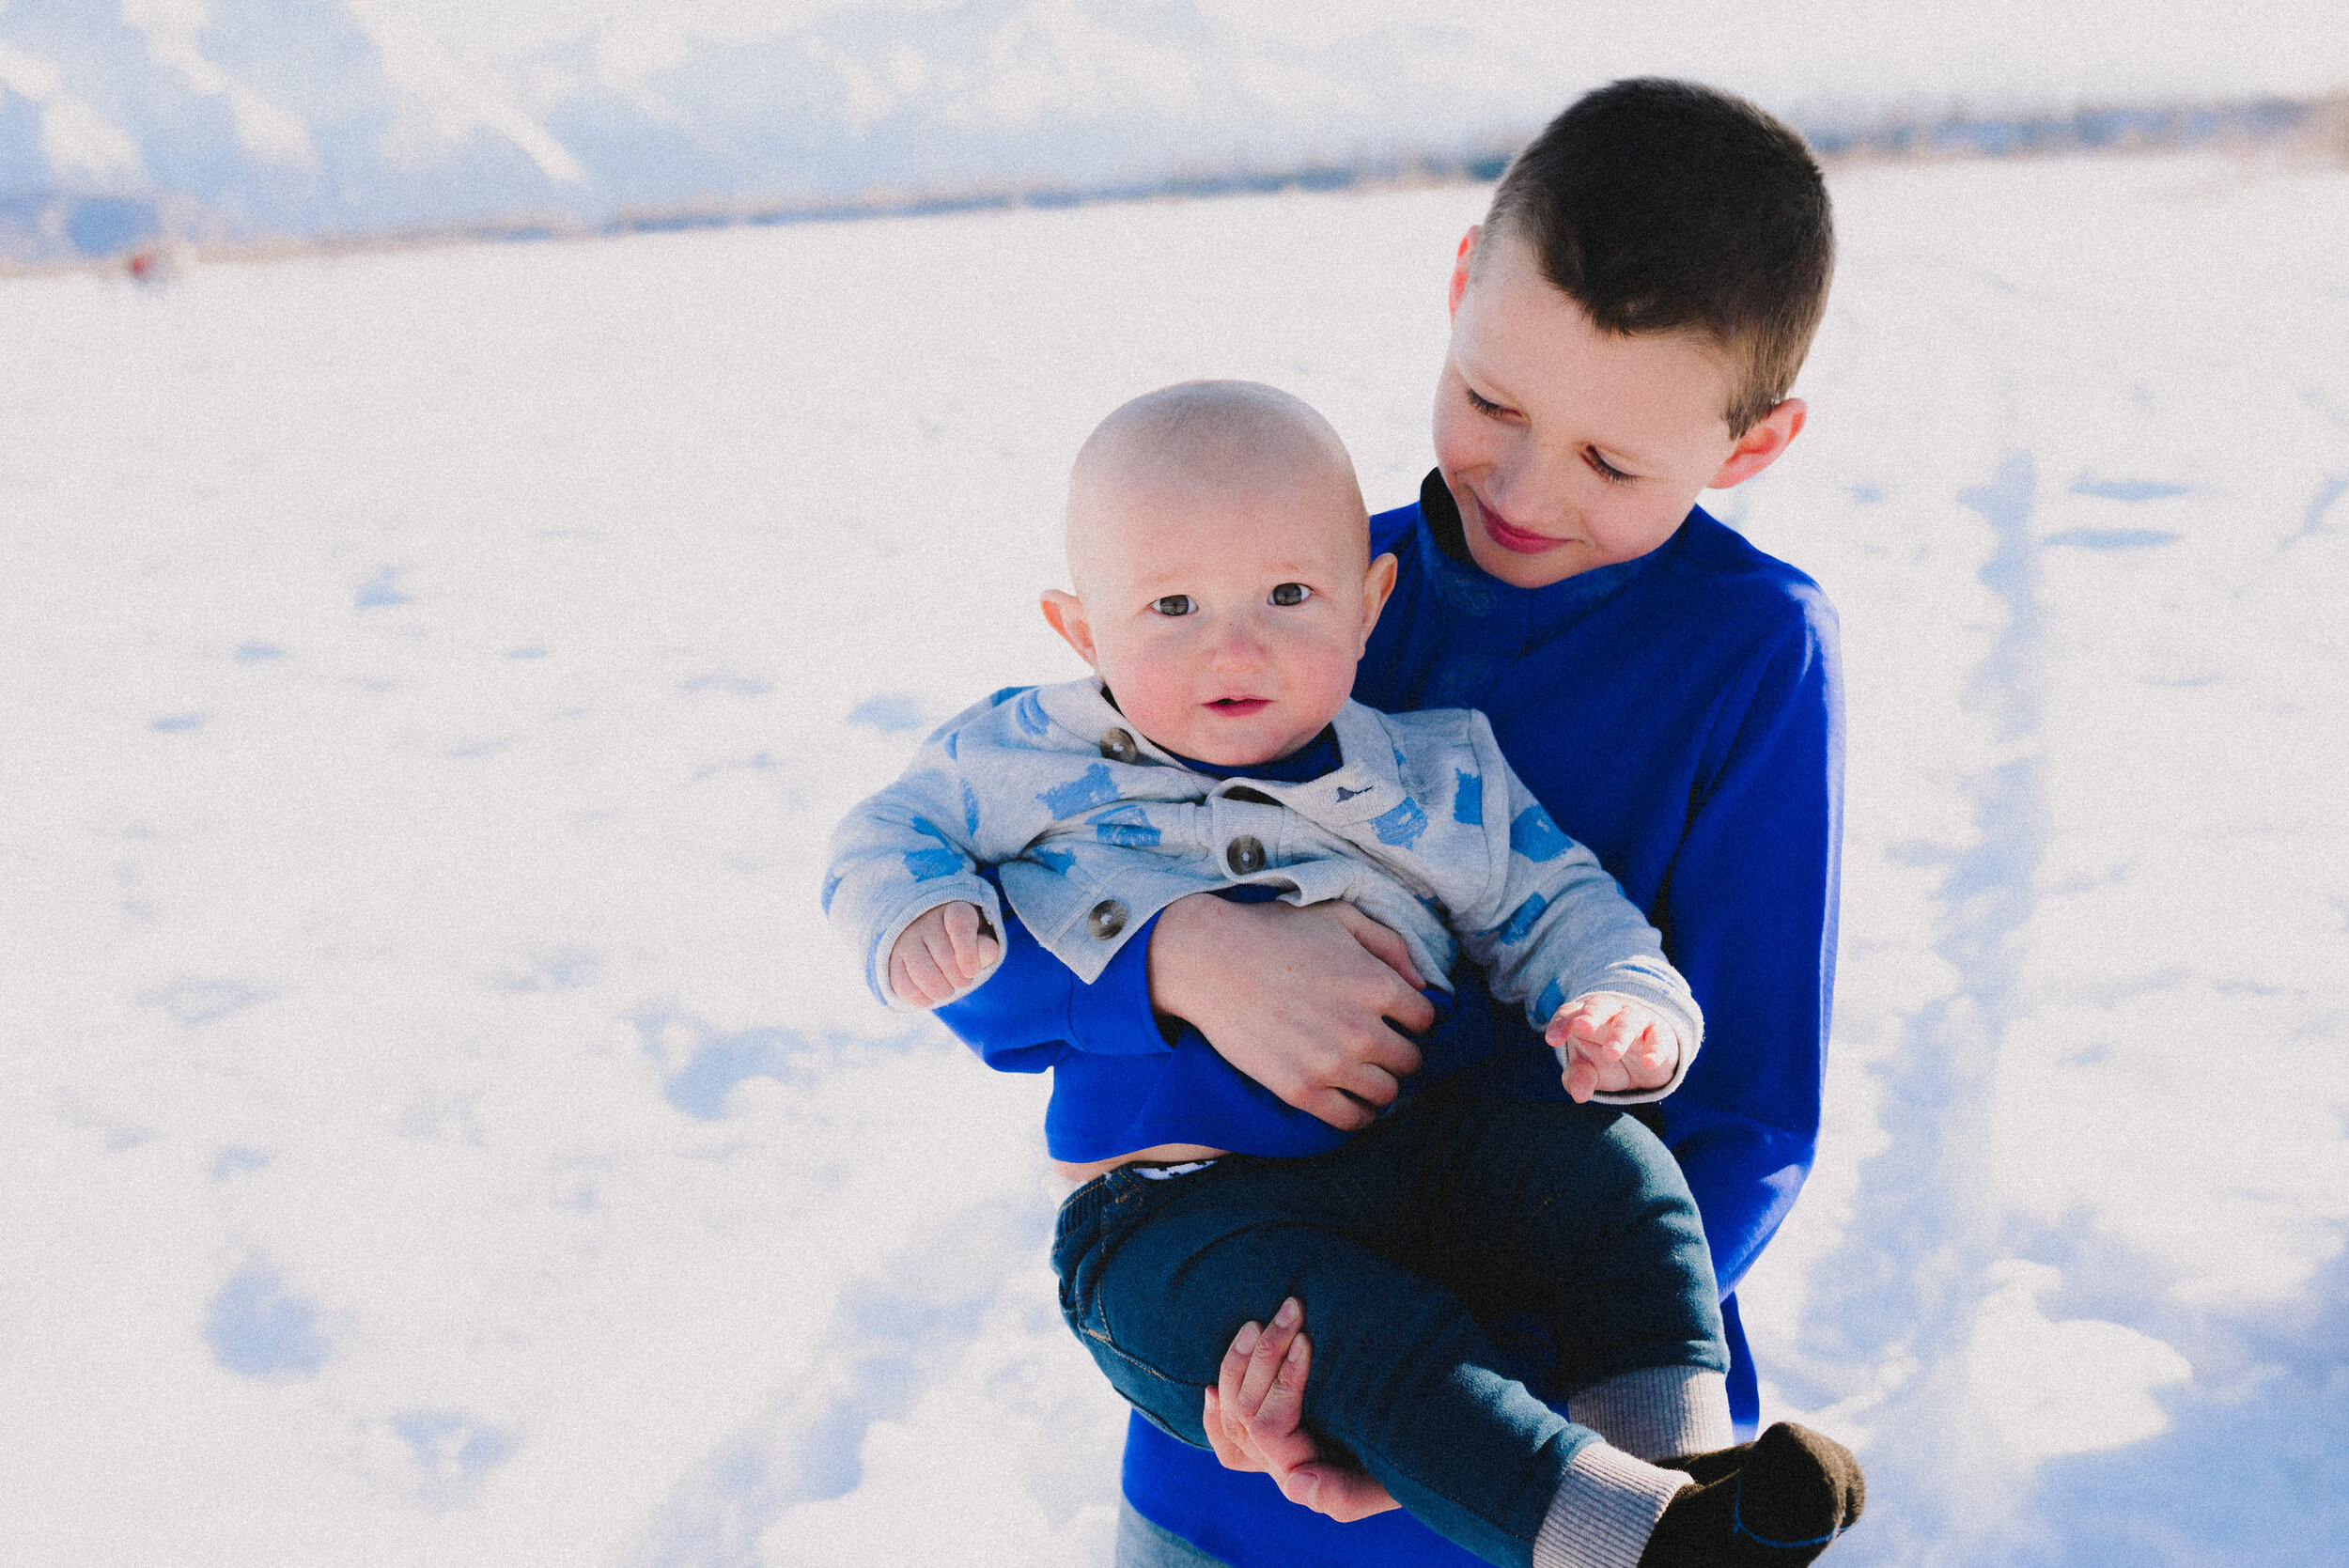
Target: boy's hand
column 939, row 954
column 1306, row 1001
column 1612, row 1045
column 1253, row 1415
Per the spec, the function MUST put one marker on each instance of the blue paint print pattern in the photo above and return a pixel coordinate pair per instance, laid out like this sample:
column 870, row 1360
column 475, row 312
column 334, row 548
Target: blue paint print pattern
column 1030, row 714
column 1051, row 860
column 1534, row 835
column 1514, row 928
column 997, row 698
column 1094, row 787
column 1553, row 998
column 832, row 885
column 1402, row 825
column 927, row 865
column 1125, row 825
column 970, row 808
column 1467, row 800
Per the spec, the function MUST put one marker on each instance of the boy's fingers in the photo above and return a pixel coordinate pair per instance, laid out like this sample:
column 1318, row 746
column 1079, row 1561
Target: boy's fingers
column 1265, row 1361
column 1284, row 1406
column 1344, row 1495
column 1375, row 1084
column 1229, row 1451
column 1381, row 944
column 1234, row 1368
column 1341, row 1110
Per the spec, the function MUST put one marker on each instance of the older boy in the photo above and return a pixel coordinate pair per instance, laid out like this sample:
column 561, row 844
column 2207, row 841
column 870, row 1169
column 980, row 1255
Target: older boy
column 1625, row 327
column 1225, row 591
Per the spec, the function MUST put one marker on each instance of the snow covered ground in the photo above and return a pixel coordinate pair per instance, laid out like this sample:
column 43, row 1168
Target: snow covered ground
column 436, row 1127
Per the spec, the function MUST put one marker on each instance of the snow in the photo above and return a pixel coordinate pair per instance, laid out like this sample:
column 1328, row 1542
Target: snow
column 122, row 122
column 437, row 1127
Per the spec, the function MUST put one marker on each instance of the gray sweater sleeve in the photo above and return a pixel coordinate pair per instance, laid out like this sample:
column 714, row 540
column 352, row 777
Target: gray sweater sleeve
column 1552, row 927
column 905, row 851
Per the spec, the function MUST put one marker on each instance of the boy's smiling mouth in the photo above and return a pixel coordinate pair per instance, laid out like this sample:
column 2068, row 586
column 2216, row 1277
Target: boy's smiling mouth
column 1518, row 541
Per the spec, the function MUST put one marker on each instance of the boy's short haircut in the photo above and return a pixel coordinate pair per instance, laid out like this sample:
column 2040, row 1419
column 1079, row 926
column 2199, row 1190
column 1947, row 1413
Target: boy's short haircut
column 1661, row 206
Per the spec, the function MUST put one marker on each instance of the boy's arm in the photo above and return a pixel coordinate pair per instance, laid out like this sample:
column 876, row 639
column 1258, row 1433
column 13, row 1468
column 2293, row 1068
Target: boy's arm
column 1553, row 927
column 1293, row 1000
column 1750, row 911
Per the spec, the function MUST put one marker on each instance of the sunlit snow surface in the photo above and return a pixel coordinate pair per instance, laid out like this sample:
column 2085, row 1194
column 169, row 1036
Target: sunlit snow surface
column 437, row 1128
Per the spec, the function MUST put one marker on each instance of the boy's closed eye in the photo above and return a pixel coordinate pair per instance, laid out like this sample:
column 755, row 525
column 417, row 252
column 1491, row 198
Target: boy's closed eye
column 1591, row 456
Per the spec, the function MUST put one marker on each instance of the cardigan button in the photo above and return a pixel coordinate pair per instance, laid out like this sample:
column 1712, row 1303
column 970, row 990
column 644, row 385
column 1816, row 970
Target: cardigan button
column 1245, row 856
column 1107, row 920
column 1119, row 747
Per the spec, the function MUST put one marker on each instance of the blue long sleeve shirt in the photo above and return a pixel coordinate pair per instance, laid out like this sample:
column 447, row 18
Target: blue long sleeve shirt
column 1682, row 716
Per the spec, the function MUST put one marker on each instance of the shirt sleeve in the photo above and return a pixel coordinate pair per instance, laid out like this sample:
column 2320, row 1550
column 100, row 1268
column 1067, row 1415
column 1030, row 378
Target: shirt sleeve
column 1552, row 927
column 903, row 852
column 1035, row 1009
column 1748, row 915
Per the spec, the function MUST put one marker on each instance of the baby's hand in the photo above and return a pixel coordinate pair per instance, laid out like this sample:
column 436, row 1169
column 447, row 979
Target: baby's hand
column 1612, row 1045
column 938, row 956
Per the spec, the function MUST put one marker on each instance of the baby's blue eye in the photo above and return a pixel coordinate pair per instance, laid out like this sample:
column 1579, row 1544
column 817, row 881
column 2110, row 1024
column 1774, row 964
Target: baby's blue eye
column 1174, row 604
column 1291, row 592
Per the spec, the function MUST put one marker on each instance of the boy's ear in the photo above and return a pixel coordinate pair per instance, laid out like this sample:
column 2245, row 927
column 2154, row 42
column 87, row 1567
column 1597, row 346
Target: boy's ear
column 1759, row 446
column 1066, row 613
column 1377, row 586
column 1460, row 267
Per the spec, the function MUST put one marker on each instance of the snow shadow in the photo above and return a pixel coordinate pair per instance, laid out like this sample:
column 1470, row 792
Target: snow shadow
column 890, row 1337
column 1906, row 1284
column 258, row 1328
column 890, row 712
column 453, row 1451
column 2248, row 1474
column 701, row 1066
column 195, row 1003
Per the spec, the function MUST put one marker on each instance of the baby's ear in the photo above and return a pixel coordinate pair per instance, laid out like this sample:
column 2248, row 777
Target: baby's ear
column 1376, row 584
column 1066, row 614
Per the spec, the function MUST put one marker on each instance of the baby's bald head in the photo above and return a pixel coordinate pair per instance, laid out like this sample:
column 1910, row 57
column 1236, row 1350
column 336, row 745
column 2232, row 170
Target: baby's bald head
column 1197, row 442
column 1222, row 562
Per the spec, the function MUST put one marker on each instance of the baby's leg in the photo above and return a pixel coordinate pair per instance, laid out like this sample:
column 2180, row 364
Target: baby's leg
column 1157, row 1275
column 1577, row 1218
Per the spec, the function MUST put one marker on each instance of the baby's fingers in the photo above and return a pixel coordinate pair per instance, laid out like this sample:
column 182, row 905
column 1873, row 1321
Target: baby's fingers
column 962, row 938
column 1582, row 1079
column 914, row 975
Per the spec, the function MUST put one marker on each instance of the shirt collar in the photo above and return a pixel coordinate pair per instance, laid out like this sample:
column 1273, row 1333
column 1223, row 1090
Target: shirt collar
column 1467, row 589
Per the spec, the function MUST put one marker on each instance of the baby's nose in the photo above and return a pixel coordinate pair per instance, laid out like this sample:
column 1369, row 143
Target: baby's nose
column 1238, row 644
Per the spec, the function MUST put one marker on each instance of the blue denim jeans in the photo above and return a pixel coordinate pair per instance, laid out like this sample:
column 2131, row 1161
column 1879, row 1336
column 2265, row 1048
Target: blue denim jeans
column 1450, row 1211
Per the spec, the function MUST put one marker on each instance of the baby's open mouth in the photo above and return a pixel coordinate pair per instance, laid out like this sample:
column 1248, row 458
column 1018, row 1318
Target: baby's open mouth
column 1240, row 706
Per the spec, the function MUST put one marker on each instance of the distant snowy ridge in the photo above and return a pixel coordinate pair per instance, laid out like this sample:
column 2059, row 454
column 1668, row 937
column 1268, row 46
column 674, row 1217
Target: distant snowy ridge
column 225, row 120
column 121, row 118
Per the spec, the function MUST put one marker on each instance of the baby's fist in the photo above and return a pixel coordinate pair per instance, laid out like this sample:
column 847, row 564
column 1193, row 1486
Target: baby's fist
column 941, row 954
column 1612, row 1045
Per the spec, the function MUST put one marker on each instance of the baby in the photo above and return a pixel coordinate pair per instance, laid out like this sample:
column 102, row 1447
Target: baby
column 1219, row 549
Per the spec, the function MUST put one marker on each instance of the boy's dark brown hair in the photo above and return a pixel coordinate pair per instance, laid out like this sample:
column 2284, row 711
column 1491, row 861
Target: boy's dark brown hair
column 1661, row 206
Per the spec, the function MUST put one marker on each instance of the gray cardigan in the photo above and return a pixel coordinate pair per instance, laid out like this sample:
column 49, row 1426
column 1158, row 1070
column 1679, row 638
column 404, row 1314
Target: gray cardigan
column 1424, row 827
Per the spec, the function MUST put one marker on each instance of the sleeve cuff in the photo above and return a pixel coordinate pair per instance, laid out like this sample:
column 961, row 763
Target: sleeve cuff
column 1686, row 1026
